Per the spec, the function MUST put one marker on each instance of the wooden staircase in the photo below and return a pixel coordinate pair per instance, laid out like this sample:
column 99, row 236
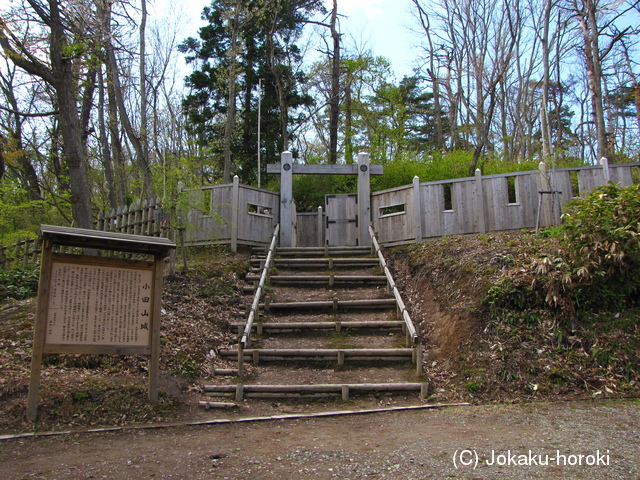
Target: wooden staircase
column 323, row 323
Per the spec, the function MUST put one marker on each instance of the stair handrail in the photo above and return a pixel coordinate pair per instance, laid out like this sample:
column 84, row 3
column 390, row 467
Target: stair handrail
column 412, row 335
column 245, row 339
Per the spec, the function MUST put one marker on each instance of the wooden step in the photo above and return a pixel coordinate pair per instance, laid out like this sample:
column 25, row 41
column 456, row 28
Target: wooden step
column 320, row 354
column 316, row 251
column 324, row 263
column 374, row 303
column 241, row 391
column 210, row 405
column 286, row 327
column 329, row 280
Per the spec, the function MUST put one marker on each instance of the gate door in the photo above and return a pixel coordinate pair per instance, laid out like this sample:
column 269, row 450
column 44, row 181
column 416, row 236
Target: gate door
column 342, row 219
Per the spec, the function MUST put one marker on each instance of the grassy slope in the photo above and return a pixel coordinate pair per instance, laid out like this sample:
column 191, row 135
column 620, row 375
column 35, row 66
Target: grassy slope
column 536, row 344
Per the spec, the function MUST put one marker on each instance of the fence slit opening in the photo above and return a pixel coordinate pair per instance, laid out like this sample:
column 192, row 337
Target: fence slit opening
column 448, row 196
column 397, row 209
column 512, row 190
column 575, row 184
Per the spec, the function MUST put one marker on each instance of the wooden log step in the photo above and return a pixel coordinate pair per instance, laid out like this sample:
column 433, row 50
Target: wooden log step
column 300, row 280
column 318, row 390
column 338, row 304
column 208, row 405
column 309, row 263
column 225, row 371
column 320, row 354
column 316, row 251
column 337, row 326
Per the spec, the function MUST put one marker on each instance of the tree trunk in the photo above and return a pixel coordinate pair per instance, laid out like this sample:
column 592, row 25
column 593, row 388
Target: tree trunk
column 66, row 96
column 334, row 101
column 114, row 80
column 544, row 108
column 234, row 25
column 28, row 174
column 143, row 160
column 587, row 18
column 105, row 151
column 432, row 71
column 348, row 124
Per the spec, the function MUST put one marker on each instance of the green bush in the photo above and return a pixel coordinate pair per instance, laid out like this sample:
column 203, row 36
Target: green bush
column 18, row 284
column 602, row 232
column 596, row 267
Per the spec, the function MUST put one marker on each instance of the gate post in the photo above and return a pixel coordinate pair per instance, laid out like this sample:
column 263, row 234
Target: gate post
column 287, row 205
column 364, row 199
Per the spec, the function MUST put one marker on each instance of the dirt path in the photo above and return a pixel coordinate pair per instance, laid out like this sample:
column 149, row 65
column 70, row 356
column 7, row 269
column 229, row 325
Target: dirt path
column 400, row 445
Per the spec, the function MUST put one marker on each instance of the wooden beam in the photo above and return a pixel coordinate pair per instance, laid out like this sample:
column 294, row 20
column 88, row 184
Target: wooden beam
column 302, row 169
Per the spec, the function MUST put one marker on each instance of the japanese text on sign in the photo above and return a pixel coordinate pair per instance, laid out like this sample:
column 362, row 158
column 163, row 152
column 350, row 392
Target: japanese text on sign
column 99, row 305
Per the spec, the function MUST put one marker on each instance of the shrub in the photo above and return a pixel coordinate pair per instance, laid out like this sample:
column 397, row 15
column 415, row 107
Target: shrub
column 602, row 231
column 18, row 284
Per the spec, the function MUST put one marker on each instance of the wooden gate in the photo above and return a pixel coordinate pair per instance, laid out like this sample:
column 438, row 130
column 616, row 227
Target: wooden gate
column 342, row 219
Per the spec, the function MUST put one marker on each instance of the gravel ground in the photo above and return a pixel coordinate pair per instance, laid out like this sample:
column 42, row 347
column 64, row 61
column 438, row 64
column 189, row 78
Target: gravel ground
column 601, row 439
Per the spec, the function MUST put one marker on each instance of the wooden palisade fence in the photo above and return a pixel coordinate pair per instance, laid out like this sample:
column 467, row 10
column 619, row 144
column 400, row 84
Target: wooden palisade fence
column 139, row 218
column 237, row 214
column 25, row 253
column 483, row 204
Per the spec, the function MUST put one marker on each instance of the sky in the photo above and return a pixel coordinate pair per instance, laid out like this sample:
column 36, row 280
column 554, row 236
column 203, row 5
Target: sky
column 380, row 24
column 385, row 26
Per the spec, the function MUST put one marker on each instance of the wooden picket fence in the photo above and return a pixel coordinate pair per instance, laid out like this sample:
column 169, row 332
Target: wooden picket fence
column 139, row 218
column 22, row 254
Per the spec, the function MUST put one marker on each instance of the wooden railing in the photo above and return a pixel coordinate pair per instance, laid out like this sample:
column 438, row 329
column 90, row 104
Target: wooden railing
column 413, row 339
column 245, row 340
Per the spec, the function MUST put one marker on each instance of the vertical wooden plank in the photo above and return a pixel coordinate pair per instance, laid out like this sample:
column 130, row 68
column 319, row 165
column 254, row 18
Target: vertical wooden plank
column 144, row 227
column 154, row 358
column 111, row 221
column 119, row 218
column 129, row 218
column 137, row 218
column 26, row 253
column 100, row 223
column 480, row 214
column 418, row 209
column 39, row 330
column 320, row 241
column 605, row 169
column 235, row 212
column 287, row 205
column 364, row 199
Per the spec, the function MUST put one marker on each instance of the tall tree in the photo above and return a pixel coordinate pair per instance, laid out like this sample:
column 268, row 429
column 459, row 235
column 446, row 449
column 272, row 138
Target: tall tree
column 334, row 100
column 595, row 26
column 61, row 74
column 256, row 40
